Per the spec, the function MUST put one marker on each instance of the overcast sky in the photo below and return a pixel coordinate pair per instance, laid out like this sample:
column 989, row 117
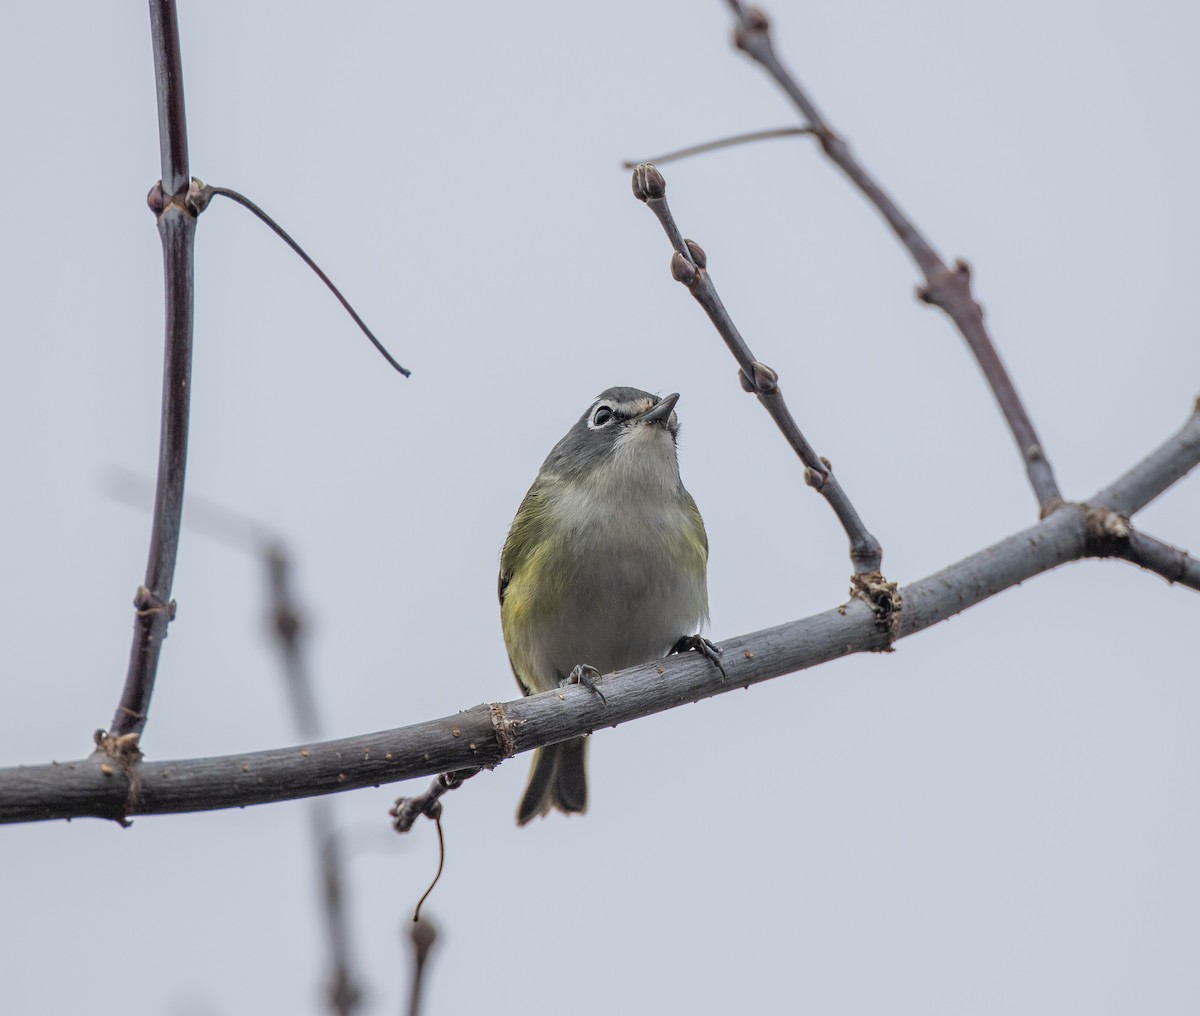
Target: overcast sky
column 998, row 817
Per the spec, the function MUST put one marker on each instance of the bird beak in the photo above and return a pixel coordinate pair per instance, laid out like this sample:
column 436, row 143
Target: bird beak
column 660, row 411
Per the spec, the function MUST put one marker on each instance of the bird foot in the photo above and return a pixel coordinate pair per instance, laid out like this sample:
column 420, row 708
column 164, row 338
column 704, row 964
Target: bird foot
column 698, row 643
column 585, row 675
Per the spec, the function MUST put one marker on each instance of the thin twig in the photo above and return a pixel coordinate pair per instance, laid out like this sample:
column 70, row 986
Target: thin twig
column 176, row 217
column 730, row 142
column 689, row 267
column 947, row 288
column 207, row 192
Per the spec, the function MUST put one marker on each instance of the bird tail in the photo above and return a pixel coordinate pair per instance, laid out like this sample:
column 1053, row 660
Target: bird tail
column 557, row 779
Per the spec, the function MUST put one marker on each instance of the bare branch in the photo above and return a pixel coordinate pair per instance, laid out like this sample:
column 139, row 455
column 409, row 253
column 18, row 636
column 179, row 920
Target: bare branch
column 949, row 289
column 1111, row 535
column 407, row 810
column 713, row 146
column 207, row 192
column 1171, row 563
column 1157, row 471
column 689, row 266
column 176, row 215
column 485, row 735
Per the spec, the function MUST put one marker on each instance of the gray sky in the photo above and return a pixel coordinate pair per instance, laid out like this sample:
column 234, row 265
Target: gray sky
column 998, row 817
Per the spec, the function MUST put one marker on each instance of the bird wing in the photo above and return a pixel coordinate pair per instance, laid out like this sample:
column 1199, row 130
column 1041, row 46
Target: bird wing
column 528, row 528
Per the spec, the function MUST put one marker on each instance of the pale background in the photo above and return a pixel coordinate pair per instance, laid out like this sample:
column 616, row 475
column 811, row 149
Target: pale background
column 999, row 817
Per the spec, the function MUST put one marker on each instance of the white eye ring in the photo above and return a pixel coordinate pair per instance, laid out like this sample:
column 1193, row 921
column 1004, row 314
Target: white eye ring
column 602, row 416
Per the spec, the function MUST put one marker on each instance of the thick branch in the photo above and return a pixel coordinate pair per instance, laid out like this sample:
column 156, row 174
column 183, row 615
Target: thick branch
column 949, row 289
column 482, row 737
column 485, row 735
column 177, row 227
column 689, row 266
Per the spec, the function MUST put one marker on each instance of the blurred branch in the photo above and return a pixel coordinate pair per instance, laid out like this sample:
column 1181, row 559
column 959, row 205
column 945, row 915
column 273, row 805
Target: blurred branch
column 947, row 288
column 344, row 993
column 485, row 735
column 423, row 935
column 205, row 194
column 287, row 627
column 176, row 216
column 689, row 266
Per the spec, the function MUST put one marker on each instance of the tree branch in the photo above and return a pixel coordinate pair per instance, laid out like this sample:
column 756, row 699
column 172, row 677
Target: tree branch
column 1156, row 472
column 949, row 289
column 176, row 215
column 485, row 735
column 1171, row 563
column 689, row 266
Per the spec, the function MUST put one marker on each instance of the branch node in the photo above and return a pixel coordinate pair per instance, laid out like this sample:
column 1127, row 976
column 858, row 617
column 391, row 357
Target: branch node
column 815, row 478
column 1105, row 530
column 198, row 196
column 883, row 598
column 682, row 270
column 764, row 382
column 124, row 751
column 505, row 730
column 753, row 27
column 406, row 810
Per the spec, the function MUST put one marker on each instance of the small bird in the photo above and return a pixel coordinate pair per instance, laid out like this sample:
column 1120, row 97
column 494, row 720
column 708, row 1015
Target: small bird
column 604, row 567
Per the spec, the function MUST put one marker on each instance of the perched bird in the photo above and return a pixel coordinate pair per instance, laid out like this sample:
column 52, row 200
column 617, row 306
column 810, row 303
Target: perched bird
column 604, row 568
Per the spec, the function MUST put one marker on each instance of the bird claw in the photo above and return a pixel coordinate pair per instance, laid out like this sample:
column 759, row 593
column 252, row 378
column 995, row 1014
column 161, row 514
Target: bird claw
column 709, row 650
column 585, row 675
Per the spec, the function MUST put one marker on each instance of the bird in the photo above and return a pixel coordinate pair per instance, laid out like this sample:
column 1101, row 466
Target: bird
column 605, row 567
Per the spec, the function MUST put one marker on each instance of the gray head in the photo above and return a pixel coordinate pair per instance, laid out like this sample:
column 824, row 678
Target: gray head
column 623, row 426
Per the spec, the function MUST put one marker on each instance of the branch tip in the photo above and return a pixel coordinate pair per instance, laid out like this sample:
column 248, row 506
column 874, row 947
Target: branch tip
column 648, row 183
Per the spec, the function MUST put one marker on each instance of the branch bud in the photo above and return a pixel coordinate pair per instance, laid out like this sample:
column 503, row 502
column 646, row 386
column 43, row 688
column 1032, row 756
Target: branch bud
column 682, row 270
column 156, row 199
column 648, row 183
column 697, row 253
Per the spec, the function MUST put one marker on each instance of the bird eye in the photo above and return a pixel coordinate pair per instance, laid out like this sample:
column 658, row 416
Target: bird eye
column 601, row 416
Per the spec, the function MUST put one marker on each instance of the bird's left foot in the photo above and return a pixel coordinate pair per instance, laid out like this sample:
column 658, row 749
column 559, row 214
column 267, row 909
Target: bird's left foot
column 587, row 676
column 709, row 650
